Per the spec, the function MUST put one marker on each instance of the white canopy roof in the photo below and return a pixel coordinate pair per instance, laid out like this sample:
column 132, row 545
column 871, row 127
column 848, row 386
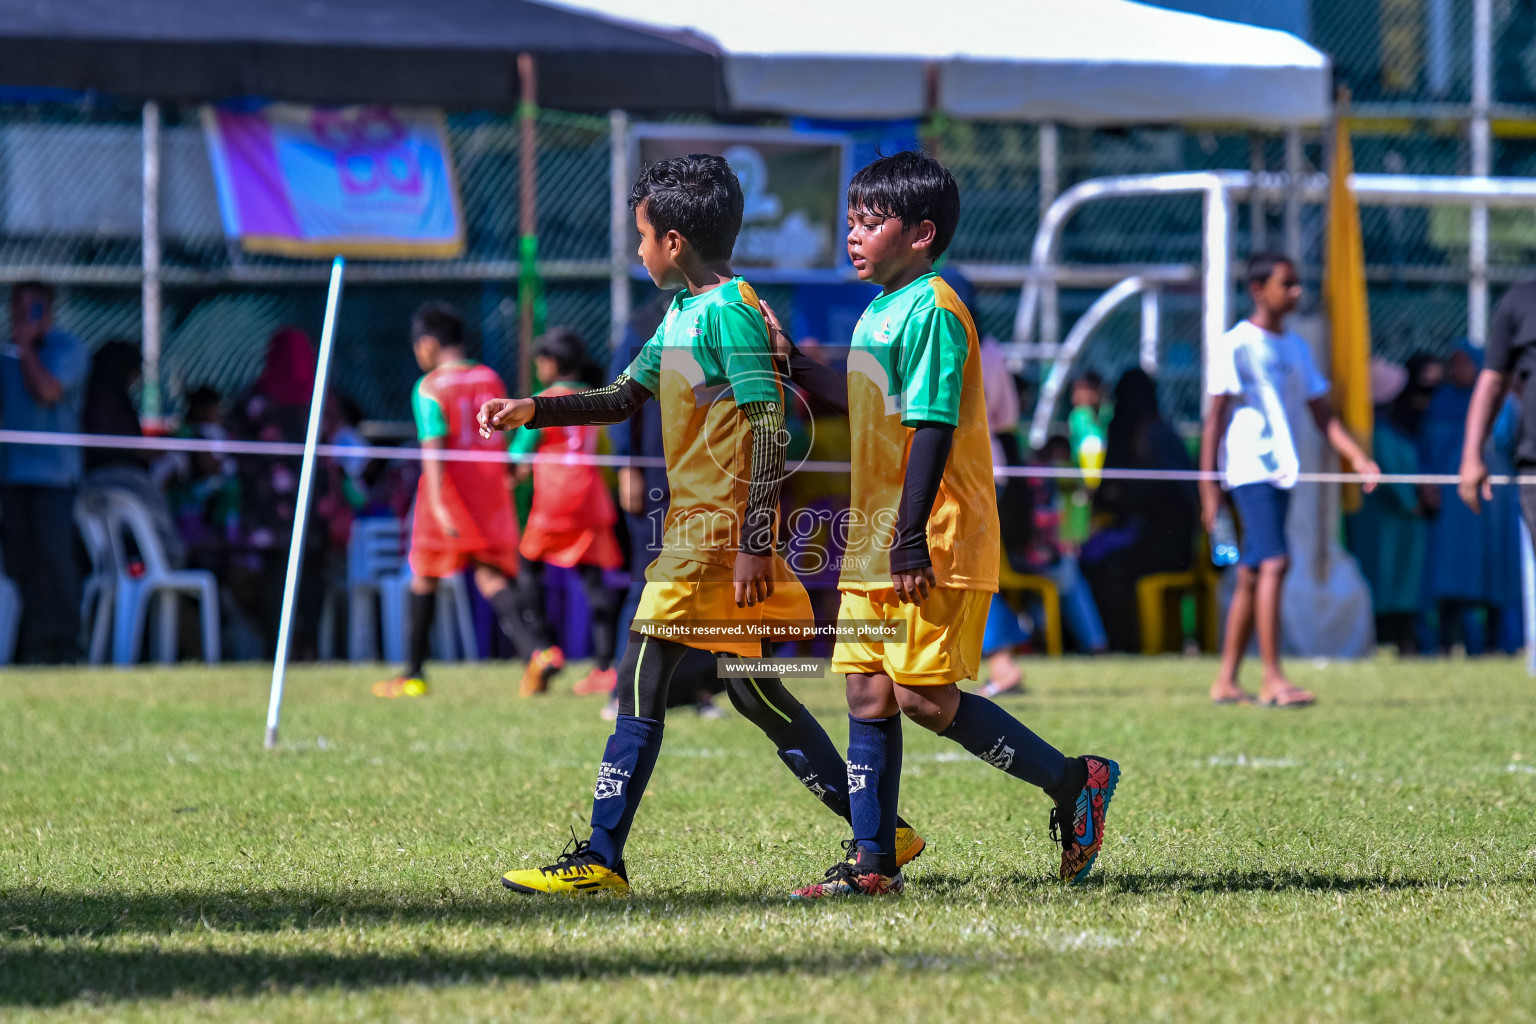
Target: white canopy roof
column 1074, row 61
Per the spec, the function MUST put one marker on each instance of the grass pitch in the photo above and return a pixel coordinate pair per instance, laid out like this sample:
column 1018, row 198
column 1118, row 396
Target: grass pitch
column 1373, row 858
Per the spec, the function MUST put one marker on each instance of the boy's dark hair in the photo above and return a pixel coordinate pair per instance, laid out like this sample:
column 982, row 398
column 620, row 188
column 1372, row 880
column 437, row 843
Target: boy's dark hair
column 1262, row 265
column 441, row 321
column 1090, row 378
column 912, row 187
column 697, row 196
column 565, row 347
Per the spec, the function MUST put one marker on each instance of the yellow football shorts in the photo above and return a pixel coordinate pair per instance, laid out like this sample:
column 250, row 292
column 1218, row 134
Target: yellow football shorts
column 943, row 636
column 694, row 604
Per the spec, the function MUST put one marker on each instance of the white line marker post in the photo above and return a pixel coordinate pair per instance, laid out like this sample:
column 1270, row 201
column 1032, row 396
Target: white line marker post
column 301, row 510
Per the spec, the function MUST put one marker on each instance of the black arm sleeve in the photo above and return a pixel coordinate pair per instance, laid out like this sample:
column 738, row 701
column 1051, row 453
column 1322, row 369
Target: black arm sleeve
column 612, row 404
column 926, row 459
column 757, row 532
column 815, row 379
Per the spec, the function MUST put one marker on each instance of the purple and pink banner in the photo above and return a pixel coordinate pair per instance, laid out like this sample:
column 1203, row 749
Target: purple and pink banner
column 365, row 182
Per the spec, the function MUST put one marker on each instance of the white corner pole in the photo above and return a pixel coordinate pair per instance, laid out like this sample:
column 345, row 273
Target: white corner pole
column 1482, row 165
column 618, row 225
column 150, row 256
column 301, row 510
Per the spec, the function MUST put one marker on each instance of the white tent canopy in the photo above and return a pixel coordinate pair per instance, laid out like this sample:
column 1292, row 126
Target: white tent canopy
column 1073, row 61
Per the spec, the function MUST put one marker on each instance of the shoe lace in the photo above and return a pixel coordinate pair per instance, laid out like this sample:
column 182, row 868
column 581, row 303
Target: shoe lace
column 573, row 858
column 1061, row 830
column 844, row 870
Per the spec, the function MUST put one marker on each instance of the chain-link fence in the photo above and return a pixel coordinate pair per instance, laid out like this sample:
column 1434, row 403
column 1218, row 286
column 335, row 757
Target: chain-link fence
column 71, row 178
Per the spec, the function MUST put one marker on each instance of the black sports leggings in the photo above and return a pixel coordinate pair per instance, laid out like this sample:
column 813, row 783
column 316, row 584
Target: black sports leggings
column 645, row 675
column 601, row 601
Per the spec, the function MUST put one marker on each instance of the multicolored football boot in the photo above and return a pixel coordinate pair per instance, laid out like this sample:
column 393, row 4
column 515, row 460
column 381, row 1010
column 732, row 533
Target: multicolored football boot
column 599, row 680
column 546, row 661
column 401, row 686
column 856, row 875
column 1077, row 820
column 909, row 845
column 577, row 872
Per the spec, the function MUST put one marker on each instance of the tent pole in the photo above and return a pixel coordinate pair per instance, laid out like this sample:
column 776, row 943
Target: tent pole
column 1258, row 210
column 1218, row 276
column 1482, row 166
column 528, row 216
column 1050, row 186
column 618, row 225
column 150, row 255
column 1294, row 167
column 301, row 509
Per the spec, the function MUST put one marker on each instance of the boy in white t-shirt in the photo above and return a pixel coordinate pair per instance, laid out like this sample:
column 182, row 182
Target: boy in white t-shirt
column 1262, row 382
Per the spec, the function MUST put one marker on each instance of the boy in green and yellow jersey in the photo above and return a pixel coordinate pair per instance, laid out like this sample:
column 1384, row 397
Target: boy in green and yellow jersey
column 717, row 584
column 923, row 536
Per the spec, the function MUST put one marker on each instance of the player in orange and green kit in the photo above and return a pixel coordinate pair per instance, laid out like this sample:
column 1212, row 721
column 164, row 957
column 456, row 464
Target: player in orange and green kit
column 923, row 551
column 463, row 514
column 718, row 584
column 570, row 524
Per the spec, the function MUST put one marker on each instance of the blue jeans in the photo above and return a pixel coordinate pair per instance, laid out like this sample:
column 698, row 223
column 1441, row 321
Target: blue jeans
column 1078, row 611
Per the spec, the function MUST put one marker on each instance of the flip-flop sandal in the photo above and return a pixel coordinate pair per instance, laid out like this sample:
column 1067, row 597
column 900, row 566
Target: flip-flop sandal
column 1303, row 702
column 1246, row 698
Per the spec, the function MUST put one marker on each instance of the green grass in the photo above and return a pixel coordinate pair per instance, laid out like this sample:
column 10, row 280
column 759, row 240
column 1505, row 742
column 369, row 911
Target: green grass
column 1373, row 858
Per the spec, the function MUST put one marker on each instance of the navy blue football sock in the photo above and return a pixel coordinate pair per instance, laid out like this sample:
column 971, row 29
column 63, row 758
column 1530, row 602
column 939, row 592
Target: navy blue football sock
column 807, row 750
column 1004, row 742
column 627, row 763
column 874, row 778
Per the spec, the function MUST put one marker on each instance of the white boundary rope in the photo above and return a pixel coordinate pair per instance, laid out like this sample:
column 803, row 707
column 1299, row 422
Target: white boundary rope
column 341, row 451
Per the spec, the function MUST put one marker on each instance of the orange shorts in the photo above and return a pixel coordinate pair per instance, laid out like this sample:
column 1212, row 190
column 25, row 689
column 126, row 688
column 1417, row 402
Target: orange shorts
column 567, row 548
column 440, row 563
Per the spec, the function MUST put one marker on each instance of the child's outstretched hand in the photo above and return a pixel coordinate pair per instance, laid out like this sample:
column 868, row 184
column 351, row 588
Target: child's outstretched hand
column 504, row 414
column 753, row 579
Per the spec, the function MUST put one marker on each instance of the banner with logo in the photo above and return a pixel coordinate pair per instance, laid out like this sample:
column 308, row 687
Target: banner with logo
column 369, row 182
column 794, row 184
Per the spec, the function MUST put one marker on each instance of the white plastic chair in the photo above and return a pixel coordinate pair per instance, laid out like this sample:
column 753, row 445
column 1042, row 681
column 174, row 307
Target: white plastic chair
column 100, row 587
column 10, row 617
column 379, row 580
column 127, row 515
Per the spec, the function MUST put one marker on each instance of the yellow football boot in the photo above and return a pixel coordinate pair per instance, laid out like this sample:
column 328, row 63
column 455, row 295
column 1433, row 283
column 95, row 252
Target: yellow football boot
column 401, row 686
column 576, row 873
column 909, row 845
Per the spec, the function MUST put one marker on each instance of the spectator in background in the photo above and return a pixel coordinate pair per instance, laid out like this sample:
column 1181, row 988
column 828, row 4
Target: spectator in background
column 1086, row 425
column 109, row 410
column 1468, row 569
column 1262, row 383
column 42, row 377
column 1148, row 526
column 276, row 408
column 1389, row 534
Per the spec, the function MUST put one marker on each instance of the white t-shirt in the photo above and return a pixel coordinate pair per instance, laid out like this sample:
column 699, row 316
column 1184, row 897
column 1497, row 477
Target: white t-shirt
column 1273, row 378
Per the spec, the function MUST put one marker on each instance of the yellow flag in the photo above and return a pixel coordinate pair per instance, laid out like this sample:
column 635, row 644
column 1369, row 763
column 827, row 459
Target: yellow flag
column 1344, row 294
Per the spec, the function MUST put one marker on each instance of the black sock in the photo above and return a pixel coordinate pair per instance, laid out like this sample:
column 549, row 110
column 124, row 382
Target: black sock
column 509, row 615
column 423, row 607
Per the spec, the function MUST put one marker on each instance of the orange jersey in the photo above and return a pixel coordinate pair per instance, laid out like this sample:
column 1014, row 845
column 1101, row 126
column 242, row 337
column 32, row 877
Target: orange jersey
column 566, row 495
column 477, row 495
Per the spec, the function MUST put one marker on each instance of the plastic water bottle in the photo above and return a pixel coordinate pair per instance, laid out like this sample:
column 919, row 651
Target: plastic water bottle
column 1224, row 541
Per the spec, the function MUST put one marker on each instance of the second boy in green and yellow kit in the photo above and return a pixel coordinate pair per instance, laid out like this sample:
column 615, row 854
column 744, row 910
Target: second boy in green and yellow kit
column 923, row 540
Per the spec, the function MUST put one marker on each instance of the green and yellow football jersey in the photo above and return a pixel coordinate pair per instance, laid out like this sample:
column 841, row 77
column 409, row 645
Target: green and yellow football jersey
column 915, row 357
column 709, row 357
